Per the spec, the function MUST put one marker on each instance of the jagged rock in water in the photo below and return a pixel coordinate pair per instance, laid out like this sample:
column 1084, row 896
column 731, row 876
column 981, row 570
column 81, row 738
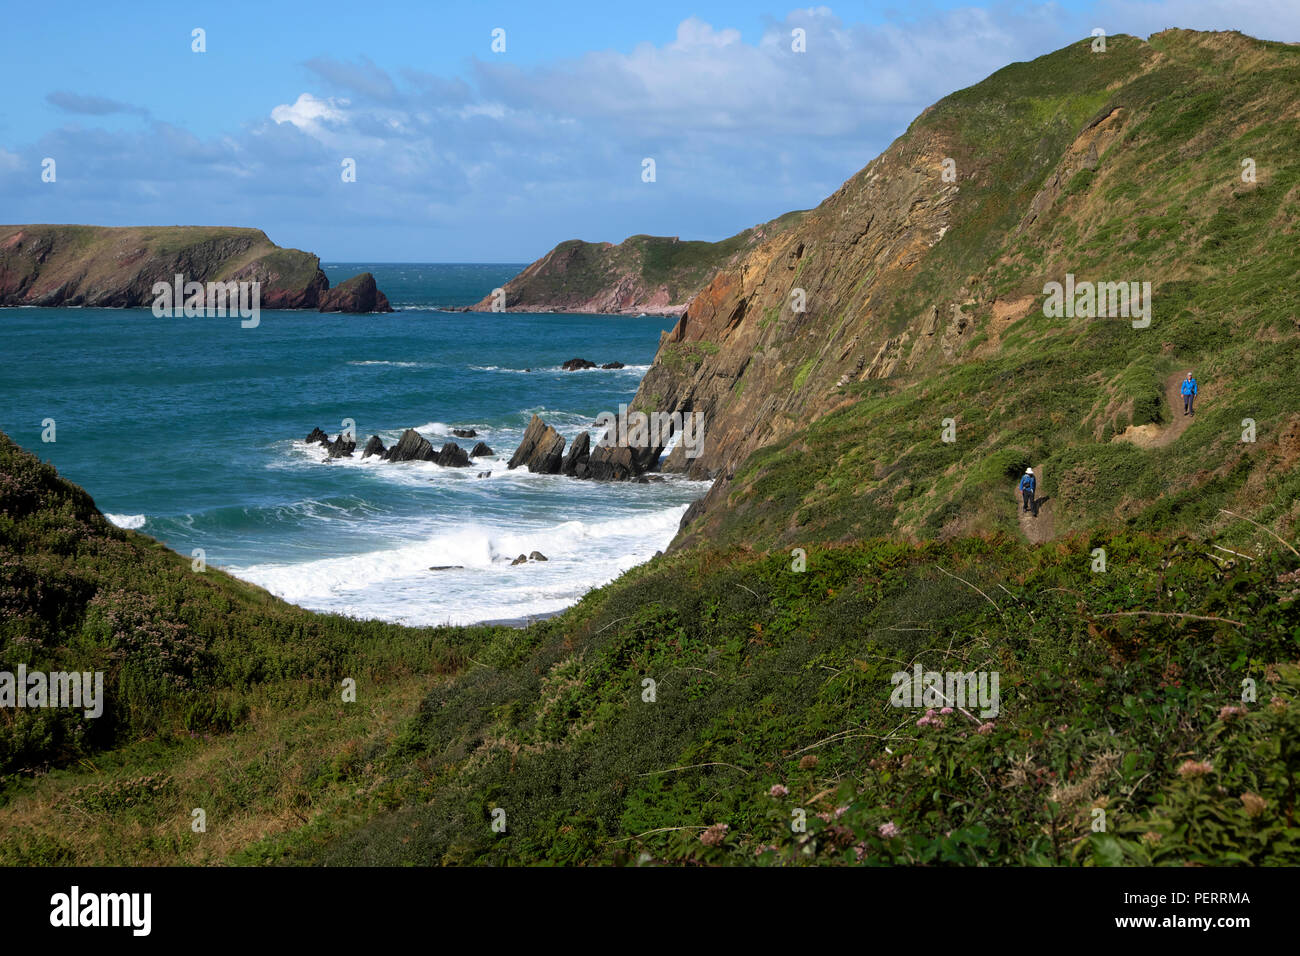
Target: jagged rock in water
column 373, row 447
column 452, row 456
column 613, row 365
column 481, row 450
column 620, row 456
column 536, row 556
column 612, row 463
column 574, row 364
column 575, row 462
column 485, row 474
column 358, row 295
column 464, row 433
column 341, row 447
column 318, row 436
column 542, row 449
column 412, row 446
column 522, row 559
column 447, row 567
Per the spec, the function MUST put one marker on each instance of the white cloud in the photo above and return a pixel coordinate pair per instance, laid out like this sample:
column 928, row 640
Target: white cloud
column 310, row 114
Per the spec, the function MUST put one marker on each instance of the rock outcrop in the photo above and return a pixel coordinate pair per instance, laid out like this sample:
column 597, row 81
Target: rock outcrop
column 612, row 459
column 358, row 294
column 481, row 450
column 412, row 446
column 612, row 463
column 341, row 447
column 541, row 450
column 575, row 462
column 452, row 456
column 117, row 267
column 318, row 436
column 373, row 447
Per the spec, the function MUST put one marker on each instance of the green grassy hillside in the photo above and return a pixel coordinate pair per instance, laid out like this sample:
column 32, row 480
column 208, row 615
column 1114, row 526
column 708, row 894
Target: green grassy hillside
column 1120, row 690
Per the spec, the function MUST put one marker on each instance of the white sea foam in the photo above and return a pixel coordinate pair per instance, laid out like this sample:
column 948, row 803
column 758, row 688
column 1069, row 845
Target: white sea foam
column 131, row 522
column 395, row 364
column 395, row 583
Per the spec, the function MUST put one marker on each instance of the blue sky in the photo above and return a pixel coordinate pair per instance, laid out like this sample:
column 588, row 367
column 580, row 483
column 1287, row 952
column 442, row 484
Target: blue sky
column 468, row 155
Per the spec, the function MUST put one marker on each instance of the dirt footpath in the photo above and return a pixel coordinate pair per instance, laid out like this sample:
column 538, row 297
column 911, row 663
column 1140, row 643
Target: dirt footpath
column 1040, row 528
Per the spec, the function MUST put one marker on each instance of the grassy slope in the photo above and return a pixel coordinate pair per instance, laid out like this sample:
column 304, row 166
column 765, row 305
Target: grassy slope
column 765, row 675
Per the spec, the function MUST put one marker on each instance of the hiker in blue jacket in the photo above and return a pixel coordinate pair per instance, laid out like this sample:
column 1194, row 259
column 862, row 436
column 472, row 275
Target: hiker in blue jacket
column 1189, row 395
column 1028, row 484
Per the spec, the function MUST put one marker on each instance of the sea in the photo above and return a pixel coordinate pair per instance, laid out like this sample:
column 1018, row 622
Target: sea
column 191, row 431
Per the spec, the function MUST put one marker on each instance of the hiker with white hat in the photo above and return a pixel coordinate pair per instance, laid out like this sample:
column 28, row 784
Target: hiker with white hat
column 1028, row 485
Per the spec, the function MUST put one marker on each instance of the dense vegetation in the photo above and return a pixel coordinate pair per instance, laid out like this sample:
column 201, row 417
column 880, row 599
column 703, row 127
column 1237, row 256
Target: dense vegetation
column 1121, row 690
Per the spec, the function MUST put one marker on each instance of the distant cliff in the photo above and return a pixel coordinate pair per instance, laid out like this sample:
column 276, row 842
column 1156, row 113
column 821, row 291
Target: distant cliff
column 113, row 267
column 659, row 274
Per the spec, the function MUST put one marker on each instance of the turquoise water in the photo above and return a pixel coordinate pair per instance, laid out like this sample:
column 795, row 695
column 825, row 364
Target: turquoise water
column 191, row 430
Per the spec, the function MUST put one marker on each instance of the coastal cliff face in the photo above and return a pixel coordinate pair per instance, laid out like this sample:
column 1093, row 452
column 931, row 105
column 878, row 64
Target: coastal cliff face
column 116, row 267
column 830, row 361
column 655, row 274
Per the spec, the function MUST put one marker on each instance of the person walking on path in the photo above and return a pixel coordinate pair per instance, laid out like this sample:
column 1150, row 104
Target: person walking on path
column 1028, row 485
column 1189, row 395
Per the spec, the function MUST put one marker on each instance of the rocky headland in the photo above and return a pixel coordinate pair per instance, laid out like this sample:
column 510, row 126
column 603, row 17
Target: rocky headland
column 117, row 267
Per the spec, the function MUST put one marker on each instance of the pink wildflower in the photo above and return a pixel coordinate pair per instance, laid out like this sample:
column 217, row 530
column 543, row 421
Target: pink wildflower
column 714, row 835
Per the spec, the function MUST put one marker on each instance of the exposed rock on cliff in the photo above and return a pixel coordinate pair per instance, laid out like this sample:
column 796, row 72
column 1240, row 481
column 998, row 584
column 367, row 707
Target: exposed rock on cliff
column 110, row 267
